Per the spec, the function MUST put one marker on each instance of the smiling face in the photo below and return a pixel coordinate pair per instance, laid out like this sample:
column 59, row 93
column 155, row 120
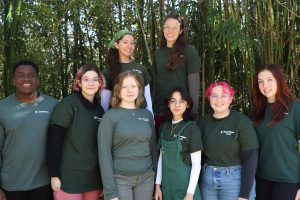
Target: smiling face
column 267, row 85
column 220, row 101
column 171, row 30
column 177, row 106
column 89, row 84
column 125, row 47
column 25, row 80
column 129, row 91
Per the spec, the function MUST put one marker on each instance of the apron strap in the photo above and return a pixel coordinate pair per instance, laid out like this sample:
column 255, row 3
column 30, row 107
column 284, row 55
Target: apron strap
column 179, row 133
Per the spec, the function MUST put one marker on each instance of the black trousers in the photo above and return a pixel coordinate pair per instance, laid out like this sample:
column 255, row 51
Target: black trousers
column 270, row 190
column 40, row 193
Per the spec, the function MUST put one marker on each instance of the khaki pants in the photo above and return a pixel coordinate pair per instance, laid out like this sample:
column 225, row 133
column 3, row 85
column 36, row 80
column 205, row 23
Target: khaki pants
column 135, row 187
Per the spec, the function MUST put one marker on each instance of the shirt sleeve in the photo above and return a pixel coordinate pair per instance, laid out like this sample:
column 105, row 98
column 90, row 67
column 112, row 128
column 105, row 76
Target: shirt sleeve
column 153, row 144
column 195, row 140
column 159, row 170
column 247, row 135
column 63, row 114
column 105, row 138
column 249, row 165
column 195, row 171
column 2, row 136
column 55, row 141
column 192, row 60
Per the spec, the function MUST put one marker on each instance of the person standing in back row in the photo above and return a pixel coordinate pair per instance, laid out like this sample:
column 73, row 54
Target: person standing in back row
column 24, row 119
column 119, row 59
column 276, row 117
column 175, row 63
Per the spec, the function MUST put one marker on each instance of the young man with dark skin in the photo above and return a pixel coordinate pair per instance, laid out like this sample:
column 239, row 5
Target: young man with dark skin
column 24, row 119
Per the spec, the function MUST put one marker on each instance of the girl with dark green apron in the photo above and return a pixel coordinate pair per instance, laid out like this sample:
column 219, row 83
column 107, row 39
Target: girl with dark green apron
column 180, row 151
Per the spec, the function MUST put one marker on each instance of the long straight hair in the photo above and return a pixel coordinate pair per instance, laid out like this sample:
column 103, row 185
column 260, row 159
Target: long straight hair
column 283, row 97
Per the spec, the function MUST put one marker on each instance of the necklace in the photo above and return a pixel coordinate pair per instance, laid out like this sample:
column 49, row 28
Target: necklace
column 173, row 127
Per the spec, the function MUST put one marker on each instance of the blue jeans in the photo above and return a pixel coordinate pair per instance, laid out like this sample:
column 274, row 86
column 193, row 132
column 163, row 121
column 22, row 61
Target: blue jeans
column 222, row 183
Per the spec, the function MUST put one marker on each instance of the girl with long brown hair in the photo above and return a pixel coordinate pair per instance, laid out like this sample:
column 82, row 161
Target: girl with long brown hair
column 276, row 118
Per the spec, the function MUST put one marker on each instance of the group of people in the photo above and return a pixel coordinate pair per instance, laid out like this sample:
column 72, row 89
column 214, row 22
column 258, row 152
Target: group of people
column 110, row 136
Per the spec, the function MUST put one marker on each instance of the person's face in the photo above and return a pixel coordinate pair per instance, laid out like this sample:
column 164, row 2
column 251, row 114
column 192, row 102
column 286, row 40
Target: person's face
column 171, row 30
column 177, row 105
column 129, row 90
column 26, row 80
column 89, row 84
column 220, row 100
column 125, row 47
column 267, row 85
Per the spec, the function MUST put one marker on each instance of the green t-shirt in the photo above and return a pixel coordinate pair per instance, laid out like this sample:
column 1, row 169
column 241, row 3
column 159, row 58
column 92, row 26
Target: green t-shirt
column 190, row 139
column 279, row 158
column 165, row 80
column 127, row 145
column 23, row 141
column 139, row 69
column 79, row 169
column 224, row 139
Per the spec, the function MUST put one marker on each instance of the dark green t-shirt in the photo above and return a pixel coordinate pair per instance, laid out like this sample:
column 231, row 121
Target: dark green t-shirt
column 224, row 139
column 139, row 69
column 79, row 169
column 165, row 80
column 191, row 140
column 279, row 158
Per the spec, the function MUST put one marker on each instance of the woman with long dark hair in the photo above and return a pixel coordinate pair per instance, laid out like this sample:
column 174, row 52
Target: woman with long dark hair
column 175, row 63
column 276, row 116
column 120, row 58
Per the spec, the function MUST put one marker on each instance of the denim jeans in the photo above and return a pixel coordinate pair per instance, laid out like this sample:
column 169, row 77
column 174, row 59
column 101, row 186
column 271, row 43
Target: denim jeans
column 135, row 187
column 222, row 183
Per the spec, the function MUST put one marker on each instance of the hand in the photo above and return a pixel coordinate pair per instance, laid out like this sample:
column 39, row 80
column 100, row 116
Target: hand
column 240, row 198
column 2, row 195
column 298, row 195
column 188, row 196
column 158, row 193
column 55, row 183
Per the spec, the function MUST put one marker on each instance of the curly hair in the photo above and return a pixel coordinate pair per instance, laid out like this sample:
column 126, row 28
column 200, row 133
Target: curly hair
column 187, row 115
column 116, row 98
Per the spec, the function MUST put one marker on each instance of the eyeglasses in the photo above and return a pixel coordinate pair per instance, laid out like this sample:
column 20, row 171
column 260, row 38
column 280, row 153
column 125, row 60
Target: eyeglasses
column 175, row 102
column 90, row 80
column 215, row 97
column 171, row 28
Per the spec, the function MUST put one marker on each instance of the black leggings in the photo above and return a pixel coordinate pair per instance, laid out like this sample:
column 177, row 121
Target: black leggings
column 270, row 190
column 40, row 193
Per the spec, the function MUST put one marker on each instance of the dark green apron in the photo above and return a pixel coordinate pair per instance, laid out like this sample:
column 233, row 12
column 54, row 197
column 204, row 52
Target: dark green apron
column 175, row 173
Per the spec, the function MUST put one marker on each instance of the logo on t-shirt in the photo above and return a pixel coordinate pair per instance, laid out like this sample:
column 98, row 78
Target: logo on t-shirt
column 41, row 112
column 97, row 118
column 227, row 132
column 143, row 119
column 138, row 71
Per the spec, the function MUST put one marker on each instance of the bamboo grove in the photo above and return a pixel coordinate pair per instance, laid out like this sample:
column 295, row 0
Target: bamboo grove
column 233, row 38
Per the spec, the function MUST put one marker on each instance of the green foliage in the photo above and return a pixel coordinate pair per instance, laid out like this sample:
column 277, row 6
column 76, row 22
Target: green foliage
column 233, row 38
